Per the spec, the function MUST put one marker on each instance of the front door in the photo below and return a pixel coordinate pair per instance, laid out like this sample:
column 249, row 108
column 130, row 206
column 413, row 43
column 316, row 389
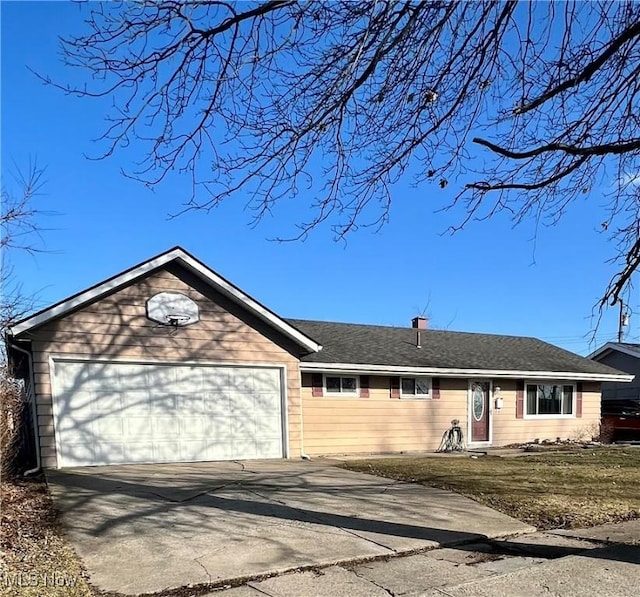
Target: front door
column 479, row 398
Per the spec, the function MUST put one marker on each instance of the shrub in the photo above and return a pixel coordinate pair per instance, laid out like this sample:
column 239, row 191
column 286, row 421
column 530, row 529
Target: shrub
column 12, row 411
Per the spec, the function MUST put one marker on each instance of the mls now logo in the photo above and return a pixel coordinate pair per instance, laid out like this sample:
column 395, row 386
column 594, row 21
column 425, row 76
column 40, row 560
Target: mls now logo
column 35, row 579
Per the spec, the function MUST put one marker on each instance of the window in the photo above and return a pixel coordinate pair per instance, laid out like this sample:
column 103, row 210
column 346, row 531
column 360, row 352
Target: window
column 550, row 399
column 415, row 387
column 343, row 384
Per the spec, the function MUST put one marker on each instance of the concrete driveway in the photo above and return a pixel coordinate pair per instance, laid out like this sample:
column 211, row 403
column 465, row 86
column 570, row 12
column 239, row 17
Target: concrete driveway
column 148, row 528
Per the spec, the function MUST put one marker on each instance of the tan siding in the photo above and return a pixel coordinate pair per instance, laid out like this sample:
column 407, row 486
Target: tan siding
column 509, row 430
column 116, row 327
column 380, row 423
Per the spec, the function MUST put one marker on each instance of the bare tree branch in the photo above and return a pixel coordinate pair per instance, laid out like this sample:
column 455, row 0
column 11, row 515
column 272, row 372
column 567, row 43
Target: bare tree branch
column 332, row 103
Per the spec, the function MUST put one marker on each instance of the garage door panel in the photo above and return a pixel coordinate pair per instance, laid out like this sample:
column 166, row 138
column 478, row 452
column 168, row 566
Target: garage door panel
column 69, row 416
column 110, row 453
column 81, row 433
column 262, row 400
column 192, row 450
column 242, row 448
column 107, row 402
column 78, row 454
column 139, row 427
column 193, row 426
column 188, row 380
column 218, row 428
column 216, row 378
column 166, row 426
column 167, row 451
column 267, row 380
column 192, row 403
column 160, row 404
column 112, row 413
column 139, row 451
column 218, row 450
column 242, row 381
column 270, row 448
column 244, row 427
column 240, row 403
column 217, row 403
column 136, row 401
column 159, row 379
column 109, row 427
column 269, row 427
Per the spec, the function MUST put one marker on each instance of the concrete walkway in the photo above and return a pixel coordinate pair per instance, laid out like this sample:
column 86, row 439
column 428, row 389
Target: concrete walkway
column 602, row 561
column 149, row 528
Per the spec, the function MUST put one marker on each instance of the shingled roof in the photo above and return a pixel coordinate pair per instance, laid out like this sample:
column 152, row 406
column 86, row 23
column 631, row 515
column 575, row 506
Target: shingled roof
column 347, row 343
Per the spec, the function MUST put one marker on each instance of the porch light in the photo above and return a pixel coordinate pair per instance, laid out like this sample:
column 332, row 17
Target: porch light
column 498, row 399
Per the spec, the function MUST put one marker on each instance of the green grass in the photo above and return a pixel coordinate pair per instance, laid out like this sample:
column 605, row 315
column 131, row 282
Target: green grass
column 571, row 489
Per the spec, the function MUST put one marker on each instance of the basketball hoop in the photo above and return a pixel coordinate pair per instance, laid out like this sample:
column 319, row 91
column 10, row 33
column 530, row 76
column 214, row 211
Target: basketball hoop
column 177, row 319
column 173, row 309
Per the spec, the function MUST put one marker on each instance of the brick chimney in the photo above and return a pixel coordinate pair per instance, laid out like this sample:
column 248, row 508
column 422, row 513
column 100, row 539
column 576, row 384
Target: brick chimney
column 420, row 323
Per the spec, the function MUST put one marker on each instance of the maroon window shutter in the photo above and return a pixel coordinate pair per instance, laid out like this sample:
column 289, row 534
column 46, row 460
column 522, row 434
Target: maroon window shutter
column 395, row 387
column 435, row 388
column 364, row 386
column 520, row 399
column 316, row 384
column 579, row 399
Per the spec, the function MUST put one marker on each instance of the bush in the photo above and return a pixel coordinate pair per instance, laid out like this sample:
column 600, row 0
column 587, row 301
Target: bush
column 12, row 411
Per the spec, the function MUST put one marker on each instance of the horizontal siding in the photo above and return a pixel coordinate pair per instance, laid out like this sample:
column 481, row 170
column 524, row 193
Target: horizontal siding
column 509, row 430
column 380, row 423
column 140, row 325
column 116, row 328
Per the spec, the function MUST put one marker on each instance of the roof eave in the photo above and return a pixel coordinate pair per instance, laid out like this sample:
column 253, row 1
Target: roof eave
column 609, row 346
column 460, row 372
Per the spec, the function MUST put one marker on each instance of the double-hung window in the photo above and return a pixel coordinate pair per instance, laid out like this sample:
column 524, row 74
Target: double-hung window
column 341, row 385
column 415, row 388
column 550, row 399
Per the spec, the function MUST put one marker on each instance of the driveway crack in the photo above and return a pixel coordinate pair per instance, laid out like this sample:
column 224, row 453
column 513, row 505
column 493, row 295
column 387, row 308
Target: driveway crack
column 390, row 486
column 373, row 582
column 191, row 497
column 319, row 520
column 197, row 561
column 264, row 497
column 367, row 539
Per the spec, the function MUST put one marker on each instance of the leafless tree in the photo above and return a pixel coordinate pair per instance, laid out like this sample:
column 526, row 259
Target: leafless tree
column 521, row 107
column 19, row 230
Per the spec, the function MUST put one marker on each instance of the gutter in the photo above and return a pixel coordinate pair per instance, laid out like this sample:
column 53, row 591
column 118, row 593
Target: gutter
column 358, row 368
column 34, row 413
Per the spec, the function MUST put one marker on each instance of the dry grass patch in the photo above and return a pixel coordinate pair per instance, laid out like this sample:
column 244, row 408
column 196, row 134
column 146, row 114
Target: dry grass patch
column 35, row 559
column 572, row 489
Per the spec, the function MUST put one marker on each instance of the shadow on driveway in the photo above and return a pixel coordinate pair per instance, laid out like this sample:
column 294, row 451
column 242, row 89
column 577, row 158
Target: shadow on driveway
column 148, row 528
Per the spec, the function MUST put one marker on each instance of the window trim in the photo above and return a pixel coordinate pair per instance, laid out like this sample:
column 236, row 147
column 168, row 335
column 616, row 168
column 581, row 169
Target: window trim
column 428, row 396
column 340, row 394
column 550, row 382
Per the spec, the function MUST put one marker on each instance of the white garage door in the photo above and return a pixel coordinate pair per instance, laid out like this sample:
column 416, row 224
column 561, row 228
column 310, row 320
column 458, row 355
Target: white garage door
column 118, row 413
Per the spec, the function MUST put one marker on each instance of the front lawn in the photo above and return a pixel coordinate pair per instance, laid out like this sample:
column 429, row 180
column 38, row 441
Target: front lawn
column 572, row 489
column 35, row 560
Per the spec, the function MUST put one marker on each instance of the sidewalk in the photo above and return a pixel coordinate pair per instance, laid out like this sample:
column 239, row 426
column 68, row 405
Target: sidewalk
column 598, row 561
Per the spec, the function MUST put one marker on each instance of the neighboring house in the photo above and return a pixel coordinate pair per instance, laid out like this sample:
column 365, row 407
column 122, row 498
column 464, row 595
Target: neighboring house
column 621, row 401
column 624, row 357
column 170, row 362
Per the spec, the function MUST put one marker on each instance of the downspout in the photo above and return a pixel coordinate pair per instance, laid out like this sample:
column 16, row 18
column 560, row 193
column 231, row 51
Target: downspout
column 303, row 455
column 34, row 413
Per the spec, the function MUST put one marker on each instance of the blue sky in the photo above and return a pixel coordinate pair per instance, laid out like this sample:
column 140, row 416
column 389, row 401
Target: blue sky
column 490, row 277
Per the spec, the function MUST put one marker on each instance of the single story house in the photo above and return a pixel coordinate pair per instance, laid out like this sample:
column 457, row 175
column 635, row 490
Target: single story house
column 170, row 362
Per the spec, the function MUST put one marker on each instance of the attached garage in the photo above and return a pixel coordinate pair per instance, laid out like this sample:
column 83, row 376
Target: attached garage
column 108, row 412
